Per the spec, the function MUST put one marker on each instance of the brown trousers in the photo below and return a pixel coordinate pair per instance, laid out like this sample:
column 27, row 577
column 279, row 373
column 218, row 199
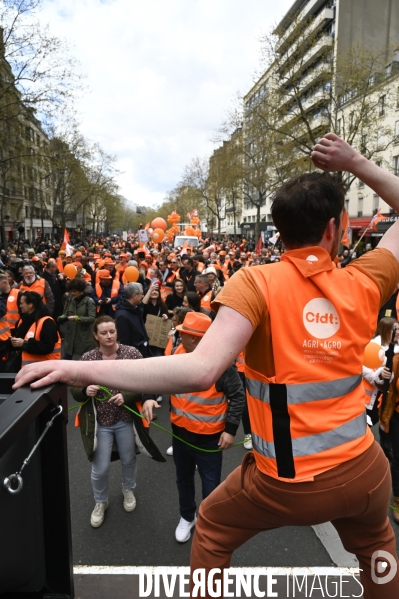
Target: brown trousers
column 354, row 496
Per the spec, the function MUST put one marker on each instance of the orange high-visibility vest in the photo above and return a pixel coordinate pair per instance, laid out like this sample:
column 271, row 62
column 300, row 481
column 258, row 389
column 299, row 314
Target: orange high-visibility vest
column 39, row 286
column 165, row 291
column 4, row 328
column 224, row 268
column 12, row 314
column 240, row 362
column 114, row 292
column 206, row 300
column 201, row 412
column 368, row 390
column 309, row 417
column 34, row 332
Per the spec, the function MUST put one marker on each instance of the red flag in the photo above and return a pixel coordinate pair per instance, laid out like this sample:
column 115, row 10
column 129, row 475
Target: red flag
column 377, row 218
column 66, row 240
column 259, row 246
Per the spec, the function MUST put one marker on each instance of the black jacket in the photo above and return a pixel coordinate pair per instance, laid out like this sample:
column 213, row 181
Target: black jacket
column 48, row 335
column 131, row 328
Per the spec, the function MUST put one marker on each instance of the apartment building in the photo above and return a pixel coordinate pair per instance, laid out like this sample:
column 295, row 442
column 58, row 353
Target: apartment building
column 306, row 90
column 25, row 187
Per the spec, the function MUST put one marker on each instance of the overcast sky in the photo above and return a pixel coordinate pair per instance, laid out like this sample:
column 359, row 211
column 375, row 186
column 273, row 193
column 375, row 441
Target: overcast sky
column 162, row 75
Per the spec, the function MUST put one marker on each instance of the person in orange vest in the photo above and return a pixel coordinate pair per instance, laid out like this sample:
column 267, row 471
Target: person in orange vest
column 106, row 293
column 5, row 331
column 36, row 332
column 207, row 419
column 30, row 282
column 314, row 458
column 204, row 290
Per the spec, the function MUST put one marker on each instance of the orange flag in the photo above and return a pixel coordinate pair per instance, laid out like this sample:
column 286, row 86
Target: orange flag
column 66, row 240
column 345, row 226
column 377, row 218
column 59, row 264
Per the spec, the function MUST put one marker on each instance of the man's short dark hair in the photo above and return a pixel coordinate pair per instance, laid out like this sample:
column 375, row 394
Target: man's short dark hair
column 189, row 260
column 303, row 205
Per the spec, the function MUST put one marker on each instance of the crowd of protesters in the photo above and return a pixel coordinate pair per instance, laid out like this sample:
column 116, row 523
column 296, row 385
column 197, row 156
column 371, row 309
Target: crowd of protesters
column 40, row 305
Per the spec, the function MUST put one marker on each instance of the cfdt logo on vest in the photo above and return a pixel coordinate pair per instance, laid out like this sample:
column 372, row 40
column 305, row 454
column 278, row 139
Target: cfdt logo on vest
column 321, row 318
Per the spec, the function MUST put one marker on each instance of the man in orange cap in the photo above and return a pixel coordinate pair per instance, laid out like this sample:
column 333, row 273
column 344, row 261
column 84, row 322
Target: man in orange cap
column 208, row 420
column 106, row 293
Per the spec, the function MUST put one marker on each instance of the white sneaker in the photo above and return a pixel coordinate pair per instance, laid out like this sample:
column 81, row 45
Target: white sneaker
column 248, row 442
column 169, row 451
column 183, row 530
column 98, row 514
column 129, row 500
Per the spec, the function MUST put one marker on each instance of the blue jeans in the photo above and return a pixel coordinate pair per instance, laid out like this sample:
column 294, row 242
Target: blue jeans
column 122, row 433
column 186, row 458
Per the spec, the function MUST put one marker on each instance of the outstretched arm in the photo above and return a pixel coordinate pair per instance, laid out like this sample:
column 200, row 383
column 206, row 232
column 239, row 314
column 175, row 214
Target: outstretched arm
column 196, row 371
column 332, row 153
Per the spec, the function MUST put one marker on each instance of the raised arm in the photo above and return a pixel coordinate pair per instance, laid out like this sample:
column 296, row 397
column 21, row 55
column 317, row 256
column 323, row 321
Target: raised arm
column 332, row 153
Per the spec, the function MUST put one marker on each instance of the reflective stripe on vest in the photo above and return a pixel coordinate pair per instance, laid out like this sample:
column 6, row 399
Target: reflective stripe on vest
column 240, row 363
column 304, row 392
column 307, row 414
column 197, row 417
column 34, row 332
column 202, row 412
column 314, row 444
column 369, row 390
column 4, row 329
column 12, row 314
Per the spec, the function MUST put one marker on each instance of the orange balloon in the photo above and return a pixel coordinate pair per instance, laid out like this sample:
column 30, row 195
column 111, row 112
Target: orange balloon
column 374, row 355
column 70, row 271
column 131, row 274
column 158, row 235
column 159, row 223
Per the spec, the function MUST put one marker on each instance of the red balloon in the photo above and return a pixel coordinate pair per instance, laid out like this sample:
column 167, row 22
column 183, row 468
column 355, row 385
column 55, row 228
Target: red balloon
column 70, row 271
column 159, row 223
column 131, row 274
column 158, row 235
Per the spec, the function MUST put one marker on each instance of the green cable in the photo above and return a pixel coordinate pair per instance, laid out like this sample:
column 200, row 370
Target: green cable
column 154, row 424
column 169, row 432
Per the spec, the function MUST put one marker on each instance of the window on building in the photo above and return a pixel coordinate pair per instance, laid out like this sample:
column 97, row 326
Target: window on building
column 26, row 211
column 380, row 137
column 360, row 207
column 245, row 219
column 397, row 128
column 339, row 124
column 376, row 202
column 396, row 165
column 382, row 103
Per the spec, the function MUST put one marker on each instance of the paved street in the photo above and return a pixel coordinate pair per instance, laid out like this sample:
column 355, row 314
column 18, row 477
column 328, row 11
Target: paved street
column 145, row 537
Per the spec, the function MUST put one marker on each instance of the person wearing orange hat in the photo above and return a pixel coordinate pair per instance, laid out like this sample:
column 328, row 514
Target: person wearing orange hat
column 106, row 293
column 207, row 420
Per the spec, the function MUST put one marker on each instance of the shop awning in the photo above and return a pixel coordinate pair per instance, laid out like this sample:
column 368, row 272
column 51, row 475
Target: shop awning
column 359, row 223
